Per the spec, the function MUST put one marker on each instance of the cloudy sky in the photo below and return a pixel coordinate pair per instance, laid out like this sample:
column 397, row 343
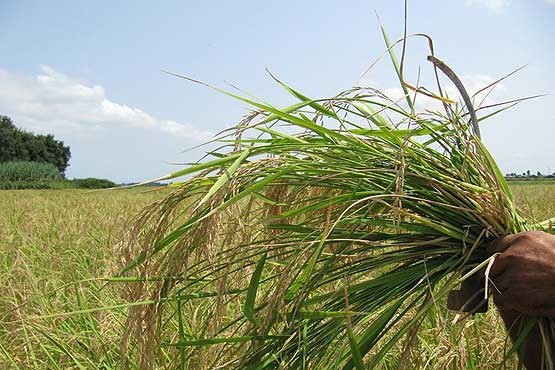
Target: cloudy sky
column 89, row 72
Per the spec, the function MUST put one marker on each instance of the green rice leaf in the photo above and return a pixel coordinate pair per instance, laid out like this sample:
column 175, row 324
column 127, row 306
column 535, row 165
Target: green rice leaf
column 249, row 307
column 224, row 178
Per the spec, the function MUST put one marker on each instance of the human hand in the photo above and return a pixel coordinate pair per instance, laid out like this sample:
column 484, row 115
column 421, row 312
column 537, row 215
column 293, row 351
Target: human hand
column 523, row 275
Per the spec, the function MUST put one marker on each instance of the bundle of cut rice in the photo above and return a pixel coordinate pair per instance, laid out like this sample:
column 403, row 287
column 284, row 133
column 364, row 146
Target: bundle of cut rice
column 318, row 235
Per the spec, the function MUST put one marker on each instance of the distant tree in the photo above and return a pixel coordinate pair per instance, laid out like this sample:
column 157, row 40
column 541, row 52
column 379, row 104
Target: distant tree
column 93, row 183
column 19, row 145
column 528, row 173
column 8, row 139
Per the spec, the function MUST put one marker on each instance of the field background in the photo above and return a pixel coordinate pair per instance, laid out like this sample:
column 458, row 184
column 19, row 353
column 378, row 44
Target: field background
column 57, row 247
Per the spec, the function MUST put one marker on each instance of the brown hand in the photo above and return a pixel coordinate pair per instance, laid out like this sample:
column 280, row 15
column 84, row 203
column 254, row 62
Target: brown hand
column 524, row 273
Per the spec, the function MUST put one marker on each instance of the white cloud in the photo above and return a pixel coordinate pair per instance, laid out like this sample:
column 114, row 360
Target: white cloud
column 54, row 102
column 495, row 5
column 550, row 2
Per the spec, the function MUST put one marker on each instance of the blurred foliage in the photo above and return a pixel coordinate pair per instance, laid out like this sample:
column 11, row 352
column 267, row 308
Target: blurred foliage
column 93, row 183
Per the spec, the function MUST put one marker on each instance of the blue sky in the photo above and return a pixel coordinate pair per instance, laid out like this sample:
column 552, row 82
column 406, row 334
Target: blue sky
column 89, row 72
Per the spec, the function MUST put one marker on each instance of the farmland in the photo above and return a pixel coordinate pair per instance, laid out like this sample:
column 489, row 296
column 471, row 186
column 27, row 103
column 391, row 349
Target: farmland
column 59, row 246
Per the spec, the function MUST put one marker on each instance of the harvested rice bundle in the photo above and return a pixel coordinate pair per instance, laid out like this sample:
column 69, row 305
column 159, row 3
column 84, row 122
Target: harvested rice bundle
column 319, row 235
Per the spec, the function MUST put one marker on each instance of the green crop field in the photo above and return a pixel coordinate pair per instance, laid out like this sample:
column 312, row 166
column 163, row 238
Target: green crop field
column 60, row 308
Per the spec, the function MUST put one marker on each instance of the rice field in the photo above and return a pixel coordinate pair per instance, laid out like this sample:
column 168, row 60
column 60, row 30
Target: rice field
column 52, row 242
column 58, row 249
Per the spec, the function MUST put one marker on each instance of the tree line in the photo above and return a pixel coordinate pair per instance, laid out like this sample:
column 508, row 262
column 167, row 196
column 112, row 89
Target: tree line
column 20, row 145
column 529, row 175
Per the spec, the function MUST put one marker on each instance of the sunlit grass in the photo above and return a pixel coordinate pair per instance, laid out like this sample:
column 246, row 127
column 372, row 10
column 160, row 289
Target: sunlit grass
column 56, row 245
column 51, row 238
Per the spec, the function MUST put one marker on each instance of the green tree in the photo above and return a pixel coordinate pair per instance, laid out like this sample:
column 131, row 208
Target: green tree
column 8, row 140
column 19, row 145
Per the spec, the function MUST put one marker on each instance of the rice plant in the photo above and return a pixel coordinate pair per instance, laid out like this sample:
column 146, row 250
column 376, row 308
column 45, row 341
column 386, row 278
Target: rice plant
column 29, row 175
column 28, row 171
column 319, row 235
